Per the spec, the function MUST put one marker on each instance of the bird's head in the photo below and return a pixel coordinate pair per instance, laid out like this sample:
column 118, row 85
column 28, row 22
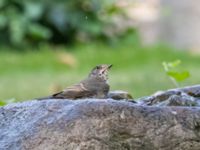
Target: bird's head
column 100, row 71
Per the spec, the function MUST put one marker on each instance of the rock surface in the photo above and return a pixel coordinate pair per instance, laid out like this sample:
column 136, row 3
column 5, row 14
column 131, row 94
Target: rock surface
column 187, row 96
column 119, row 95
column 98, row 125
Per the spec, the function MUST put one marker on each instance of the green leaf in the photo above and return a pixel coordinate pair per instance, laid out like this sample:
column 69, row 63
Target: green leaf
column 8, row 101
column 92, row 27
column 174, row 63
column 39, row 32
column 33, row 10
column 2, row 103
column 165, row 66
column 2, row 3
column 179, row 76
column 3, row 21
column 17, row 29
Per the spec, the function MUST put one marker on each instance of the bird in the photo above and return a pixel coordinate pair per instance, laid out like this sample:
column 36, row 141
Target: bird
column 94, row 86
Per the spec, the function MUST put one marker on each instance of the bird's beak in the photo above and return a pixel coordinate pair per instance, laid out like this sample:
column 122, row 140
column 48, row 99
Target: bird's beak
column 109, row 66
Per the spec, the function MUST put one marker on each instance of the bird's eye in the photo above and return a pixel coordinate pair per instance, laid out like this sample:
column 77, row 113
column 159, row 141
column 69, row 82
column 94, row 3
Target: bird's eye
column 98, row 67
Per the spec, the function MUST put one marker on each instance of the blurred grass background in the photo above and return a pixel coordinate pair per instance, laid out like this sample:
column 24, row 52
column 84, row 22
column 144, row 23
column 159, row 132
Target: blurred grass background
column 46, row 46
column 44, row 70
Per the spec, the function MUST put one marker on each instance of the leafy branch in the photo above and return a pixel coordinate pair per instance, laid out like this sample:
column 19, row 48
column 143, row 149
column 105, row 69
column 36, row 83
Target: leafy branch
column 175, row 75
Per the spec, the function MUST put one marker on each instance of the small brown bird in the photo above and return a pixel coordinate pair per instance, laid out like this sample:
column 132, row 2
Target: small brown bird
column 94, row 86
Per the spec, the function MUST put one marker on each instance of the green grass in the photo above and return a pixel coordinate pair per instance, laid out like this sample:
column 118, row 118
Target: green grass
column 34, row 72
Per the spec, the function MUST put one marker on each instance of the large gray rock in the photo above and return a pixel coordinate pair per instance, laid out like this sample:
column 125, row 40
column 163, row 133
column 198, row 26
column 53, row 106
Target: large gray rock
column 97, row 125
column 186, row 96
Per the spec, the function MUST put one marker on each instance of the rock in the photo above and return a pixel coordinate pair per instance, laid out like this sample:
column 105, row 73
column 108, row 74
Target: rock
column 119, row 95
column 191, row 90
column 97, row 125
column 186, row 96
column 176, row 100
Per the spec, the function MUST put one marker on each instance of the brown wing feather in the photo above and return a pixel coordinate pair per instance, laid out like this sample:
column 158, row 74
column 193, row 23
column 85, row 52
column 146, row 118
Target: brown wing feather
column 74, row 92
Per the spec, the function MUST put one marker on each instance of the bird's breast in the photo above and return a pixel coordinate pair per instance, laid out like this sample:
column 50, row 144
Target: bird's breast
column 95, row 85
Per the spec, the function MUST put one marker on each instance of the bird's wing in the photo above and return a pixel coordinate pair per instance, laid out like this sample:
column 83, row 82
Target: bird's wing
column 77, row 87
column 74, row 92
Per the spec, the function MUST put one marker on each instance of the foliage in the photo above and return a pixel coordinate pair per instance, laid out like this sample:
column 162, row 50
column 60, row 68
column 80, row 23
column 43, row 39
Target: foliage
column 5, row 102
column 174, row 74
column 25, row 21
